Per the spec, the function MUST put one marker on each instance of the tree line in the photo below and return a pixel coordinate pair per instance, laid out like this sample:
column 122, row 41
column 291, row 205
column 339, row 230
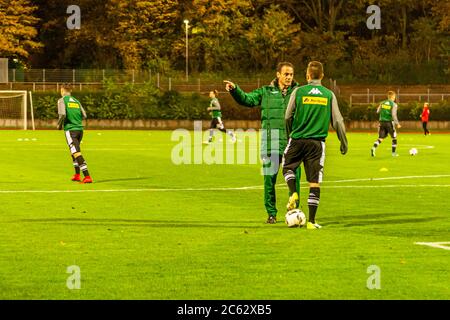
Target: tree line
column 234, row 36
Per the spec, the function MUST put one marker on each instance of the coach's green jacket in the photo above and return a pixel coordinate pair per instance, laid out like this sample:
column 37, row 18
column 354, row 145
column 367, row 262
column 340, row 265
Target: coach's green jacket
column 273, row 107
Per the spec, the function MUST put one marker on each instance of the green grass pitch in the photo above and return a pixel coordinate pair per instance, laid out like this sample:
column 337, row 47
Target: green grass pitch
column 133, row 240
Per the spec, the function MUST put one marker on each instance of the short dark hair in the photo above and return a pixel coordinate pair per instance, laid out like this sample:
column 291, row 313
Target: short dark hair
column 315, row 69
column 284, row 64
column 67, row 87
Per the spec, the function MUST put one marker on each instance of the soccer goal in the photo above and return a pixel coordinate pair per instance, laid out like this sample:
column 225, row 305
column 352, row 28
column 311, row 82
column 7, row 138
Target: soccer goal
column 14, row 109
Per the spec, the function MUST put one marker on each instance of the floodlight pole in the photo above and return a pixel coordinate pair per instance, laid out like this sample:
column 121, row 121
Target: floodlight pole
column 186, row 22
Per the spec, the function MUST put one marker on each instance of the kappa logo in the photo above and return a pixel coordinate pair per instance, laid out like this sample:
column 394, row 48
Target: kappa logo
column 315, row 91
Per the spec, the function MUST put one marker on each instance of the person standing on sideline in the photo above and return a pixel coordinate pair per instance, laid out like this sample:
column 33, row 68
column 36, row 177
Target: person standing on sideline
column 216, row 114
column 310, row 110
column 272, row 99
column 425, row 117
column 388, row 120
column 71, row 115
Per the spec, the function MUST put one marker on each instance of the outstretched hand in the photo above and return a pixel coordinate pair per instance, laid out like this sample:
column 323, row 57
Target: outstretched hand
column 229, row 85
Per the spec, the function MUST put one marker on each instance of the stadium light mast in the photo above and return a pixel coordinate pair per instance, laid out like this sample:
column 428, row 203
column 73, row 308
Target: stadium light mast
column 186, row 22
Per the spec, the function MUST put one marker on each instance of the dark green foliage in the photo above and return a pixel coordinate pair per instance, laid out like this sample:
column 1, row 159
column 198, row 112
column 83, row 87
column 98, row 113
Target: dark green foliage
column 131, row 102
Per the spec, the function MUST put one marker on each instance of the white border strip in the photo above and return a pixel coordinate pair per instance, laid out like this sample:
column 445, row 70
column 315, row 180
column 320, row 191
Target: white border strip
column 439, row 245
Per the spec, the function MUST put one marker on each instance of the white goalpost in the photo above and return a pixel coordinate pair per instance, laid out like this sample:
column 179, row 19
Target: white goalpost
column 14, row 109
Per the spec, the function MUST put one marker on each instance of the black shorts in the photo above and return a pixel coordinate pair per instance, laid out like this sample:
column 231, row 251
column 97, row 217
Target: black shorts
column 73, row 139
column 216, row 123
column 309, row 151
column 385, row 128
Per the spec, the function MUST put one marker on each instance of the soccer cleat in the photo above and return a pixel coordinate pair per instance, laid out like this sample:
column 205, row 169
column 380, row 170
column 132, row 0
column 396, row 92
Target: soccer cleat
column 76, row 177
column 293, row 202
column 233, row 139
column 372, row 152
column 271, row 220
column 313, row 226
column 87, row 179
column 394, row 154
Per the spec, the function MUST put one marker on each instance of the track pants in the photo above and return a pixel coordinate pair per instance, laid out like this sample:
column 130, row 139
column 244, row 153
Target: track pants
column 270, row 180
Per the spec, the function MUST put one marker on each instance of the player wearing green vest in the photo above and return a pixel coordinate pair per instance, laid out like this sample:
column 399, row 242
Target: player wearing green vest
column 308, row 115
column 388, row 119
column 71, row 115
column 216, row 114
column 273, row 101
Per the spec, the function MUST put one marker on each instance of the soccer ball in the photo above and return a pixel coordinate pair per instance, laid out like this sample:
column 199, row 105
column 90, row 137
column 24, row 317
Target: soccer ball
column 413, row 151
column 295, row 218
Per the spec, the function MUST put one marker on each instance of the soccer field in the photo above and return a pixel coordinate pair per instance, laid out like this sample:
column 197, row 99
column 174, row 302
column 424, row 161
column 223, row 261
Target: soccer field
column 149, row 229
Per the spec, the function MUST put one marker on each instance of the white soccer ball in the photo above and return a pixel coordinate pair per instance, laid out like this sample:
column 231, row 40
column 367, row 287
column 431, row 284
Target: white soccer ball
column 413, row 151
column 295, row 218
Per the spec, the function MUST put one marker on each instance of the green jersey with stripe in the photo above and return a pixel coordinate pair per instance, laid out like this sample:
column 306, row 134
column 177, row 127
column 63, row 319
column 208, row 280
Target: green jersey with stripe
column 74, row 115
column 312, row 115
column 216, row 113
column 386, row 108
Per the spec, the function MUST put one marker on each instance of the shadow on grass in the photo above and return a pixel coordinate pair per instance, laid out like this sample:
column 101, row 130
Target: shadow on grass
column 121, row 179
column 146, row 223
column 379, row 219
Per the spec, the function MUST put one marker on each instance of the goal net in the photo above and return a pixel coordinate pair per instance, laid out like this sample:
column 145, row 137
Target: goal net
column 13, row 109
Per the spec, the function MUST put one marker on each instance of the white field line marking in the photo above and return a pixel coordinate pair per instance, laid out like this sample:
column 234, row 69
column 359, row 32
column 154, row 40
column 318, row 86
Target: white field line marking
column 400, row 146
column 250, row 187
column 217, row 189
column 420, row 146
column 439, row 245
column 390, row 178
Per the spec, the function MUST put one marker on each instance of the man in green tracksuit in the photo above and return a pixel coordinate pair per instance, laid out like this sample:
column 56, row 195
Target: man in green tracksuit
column 273, row 100
column 310, row 110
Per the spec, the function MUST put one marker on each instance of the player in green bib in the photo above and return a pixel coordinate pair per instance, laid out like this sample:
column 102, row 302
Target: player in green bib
column 388, row 120
column 71, row 115
column 308, row 115
column 216, row 114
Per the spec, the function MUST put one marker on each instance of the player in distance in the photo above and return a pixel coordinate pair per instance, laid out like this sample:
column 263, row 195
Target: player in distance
column 71, row 115
column 216, row 114
column 388, row 120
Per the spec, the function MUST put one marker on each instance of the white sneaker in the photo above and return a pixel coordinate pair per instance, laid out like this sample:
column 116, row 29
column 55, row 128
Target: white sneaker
column 311, row 225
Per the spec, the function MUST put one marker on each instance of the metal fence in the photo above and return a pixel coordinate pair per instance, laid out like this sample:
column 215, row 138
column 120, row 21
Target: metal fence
column 91, row 79
column 96, row 79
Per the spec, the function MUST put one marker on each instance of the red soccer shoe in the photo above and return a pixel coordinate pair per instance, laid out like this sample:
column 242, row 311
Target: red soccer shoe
column 87, row 179
column 76, row 177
